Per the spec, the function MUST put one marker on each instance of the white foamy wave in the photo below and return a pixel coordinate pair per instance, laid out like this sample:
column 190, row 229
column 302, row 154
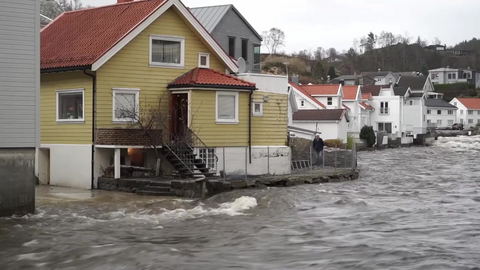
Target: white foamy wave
column 462, row 143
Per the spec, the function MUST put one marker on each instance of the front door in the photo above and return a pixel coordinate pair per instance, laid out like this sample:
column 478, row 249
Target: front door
column 179, row 114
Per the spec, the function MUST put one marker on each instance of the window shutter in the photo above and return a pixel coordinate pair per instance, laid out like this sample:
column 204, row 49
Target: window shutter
column 226, row 107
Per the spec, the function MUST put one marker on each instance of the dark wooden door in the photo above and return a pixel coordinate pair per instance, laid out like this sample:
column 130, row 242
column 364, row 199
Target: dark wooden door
column 179, row 114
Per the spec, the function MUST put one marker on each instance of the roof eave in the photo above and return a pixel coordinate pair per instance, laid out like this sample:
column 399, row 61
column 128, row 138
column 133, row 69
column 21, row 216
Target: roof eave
column 64, row 69
column 213, row 86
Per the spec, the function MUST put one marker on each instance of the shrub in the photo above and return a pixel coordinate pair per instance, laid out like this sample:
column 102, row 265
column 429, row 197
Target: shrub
column 350, row 141
column 368, row 135
column 334, row 143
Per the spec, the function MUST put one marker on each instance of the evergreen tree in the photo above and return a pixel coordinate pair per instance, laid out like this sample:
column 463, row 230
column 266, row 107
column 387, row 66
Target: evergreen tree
column 332, row 73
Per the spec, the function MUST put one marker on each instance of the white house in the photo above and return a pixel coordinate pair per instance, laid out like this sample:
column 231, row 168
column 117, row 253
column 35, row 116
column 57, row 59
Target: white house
column 330, row 95
column 331, row 123
column 387, row 115
column 440, row 113
column 381, row 77
column 468, row 112
column 454, row 75
column 366, row 110
column 413, row 110
column 352, row 98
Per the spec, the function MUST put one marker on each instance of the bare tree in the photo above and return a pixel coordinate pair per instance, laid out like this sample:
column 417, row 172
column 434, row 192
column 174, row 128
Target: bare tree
column 273, row 39
column 436, row 41
column 53, row 8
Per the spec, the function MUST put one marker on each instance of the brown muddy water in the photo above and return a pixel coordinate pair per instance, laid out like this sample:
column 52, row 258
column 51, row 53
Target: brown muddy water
column 411, row 208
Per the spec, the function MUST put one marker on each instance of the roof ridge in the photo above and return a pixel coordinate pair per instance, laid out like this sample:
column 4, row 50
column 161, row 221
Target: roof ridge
column 212, row 6
column 111, row 5
column 230, row 76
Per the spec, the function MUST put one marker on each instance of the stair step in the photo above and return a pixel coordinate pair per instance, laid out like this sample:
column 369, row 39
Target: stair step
column 154, row 193
column 156, row 189
column 160, row 184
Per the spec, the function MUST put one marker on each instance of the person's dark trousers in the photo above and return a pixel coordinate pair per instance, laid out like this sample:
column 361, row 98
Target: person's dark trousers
column 318, row 157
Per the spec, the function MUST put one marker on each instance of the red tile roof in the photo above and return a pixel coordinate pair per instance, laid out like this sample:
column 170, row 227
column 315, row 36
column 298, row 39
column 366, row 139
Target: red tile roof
column 319, row 115
column 350, row 92
column 321, row 89
column 301, row 90
column 204, row 77
column 79, row 38
column 366, row 95
column 470, row 103
column 366, row 106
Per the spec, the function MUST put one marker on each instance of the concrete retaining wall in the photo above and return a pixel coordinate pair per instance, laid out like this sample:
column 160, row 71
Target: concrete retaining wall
column 17, row 181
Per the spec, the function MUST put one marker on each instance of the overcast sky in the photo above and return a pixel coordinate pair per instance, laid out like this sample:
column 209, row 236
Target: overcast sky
column 309, row 24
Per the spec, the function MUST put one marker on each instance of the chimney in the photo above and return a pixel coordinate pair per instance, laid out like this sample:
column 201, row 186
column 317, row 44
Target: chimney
column 296, row 80
column 342, row 82
column 124, row 1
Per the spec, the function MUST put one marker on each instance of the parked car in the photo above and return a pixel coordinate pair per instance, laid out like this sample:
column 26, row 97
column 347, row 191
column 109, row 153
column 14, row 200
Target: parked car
column 457, row 126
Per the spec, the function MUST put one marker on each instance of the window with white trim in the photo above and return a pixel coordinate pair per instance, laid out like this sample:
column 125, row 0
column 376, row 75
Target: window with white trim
column 470, row 112
column 429, row 111
column 227, row 107
column 439, row 111
column 450, row 112
column 204, row 60
column 70, row 105
column 329, row 101
column 478, row 112
column 383, row 107
column 126, row 103
column 439, row 122
column 450, row 122
column 167, row 51
column 257, row 108
column 470, row 121
column 461, row 111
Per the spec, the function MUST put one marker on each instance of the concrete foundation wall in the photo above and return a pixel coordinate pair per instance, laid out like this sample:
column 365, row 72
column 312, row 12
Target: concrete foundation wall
column 17, row 181
column 71, row 166
column 274, row 160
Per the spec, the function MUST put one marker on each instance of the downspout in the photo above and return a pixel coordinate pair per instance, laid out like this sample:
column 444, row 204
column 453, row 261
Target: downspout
column 250, row 126
column 94, row 95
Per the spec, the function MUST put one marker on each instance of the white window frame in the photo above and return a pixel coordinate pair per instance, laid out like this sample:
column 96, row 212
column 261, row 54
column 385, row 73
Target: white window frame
column 226, row 121
column 304, row 104
column 470, row 121
column 63, row 91
column 205, row 155
column 470, row 112
column 450, row 122
column 461, row 112
column 439, row 122
column 330, row 101
column 200, row 55
column 450, row 112
column 168, row 38
column 429, row 111
column 116, row 91
column 439, row 112
column 261, row 108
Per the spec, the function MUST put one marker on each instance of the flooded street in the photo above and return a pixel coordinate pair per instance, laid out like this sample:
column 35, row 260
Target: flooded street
column 412, row 208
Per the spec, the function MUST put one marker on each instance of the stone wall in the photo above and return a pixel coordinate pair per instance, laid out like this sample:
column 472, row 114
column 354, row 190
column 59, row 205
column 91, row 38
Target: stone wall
column 17, row 181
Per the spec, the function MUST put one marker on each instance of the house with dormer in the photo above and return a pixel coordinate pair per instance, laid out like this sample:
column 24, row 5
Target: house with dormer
column 152, row 59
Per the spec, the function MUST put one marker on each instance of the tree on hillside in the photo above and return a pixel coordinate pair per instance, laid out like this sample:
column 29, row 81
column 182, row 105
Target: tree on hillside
column 369, row 42
column 53, row 8
column 273, row 39
column 318, row 71
column 332, row 73
column 437, row 41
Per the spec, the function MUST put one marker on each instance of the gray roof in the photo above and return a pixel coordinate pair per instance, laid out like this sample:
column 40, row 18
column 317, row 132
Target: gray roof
column 434, row 102
column 319, row 115
column 415, row 83
column 209, row 17
column 400, row 91
column 416, row 95
column 376, row 73
column 346, row 77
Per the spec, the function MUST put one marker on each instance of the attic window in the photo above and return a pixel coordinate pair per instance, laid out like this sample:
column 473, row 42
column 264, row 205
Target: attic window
column 167, row 51
column 204, row 60
column 302, row 103
column 329, row 101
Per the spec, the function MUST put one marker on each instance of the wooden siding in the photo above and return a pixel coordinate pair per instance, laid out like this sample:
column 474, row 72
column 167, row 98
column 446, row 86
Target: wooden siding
column 64, row 133
column 203, row 120
column 271, row 128
column 130, row 67
column 19, row 71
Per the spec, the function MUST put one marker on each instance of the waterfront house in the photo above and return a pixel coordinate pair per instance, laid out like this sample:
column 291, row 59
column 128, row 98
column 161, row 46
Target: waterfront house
column 468, row 112
column 455, row 75
column 413, row 110
column 152, row 60
column 233, row 32
column 440, row 113
column 19, row 104
column 387, row 114
column 331, row 123
column 366, row 110
column 352, row 100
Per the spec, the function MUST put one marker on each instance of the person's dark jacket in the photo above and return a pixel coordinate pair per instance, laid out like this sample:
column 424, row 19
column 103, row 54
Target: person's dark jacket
column 318, row 144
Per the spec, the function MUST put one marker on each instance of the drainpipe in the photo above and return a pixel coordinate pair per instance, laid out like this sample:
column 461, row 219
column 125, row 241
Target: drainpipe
column 94, row 95
column 250, row 126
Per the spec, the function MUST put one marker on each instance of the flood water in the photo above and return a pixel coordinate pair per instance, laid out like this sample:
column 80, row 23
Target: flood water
column 412, row 208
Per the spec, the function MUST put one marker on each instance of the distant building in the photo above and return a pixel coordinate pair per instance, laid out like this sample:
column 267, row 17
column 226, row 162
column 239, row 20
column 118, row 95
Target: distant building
column 454, row 75
column 381, row 77
column 440, row 113
column 353, row 80
column 444, row 49
column 233, row 32
column 468, row 112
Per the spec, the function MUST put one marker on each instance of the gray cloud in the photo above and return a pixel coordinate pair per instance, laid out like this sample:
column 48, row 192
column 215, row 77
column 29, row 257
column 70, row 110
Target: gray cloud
column 309, row 24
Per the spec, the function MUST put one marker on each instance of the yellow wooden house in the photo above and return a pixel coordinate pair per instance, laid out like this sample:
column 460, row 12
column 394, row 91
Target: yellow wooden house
column 102, row 67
